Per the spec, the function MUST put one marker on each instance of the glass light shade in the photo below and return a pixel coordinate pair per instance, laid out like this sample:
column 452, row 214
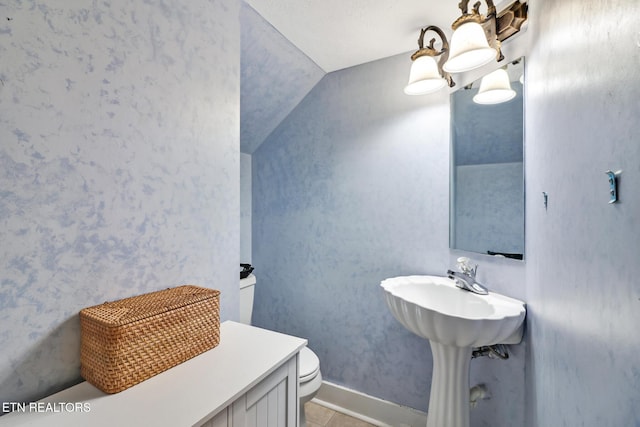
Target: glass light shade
column 494, row 88
column 424, row 77
column 469, row 49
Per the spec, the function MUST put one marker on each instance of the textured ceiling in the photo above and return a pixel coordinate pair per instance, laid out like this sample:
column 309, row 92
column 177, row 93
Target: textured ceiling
column 288, row 46
column 337, row 34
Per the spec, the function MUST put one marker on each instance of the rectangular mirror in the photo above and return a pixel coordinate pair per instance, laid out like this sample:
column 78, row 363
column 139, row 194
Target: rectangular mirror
column 487, row 170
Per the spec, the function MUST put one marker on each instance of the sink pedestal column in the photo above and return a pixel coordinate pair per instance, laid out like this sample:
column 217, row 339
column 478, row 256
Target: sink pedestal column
column 449, row 401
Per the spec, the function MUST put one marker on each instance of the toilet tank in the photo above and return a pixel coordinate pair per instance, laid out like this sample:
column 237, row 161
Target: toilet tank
column 247, row 287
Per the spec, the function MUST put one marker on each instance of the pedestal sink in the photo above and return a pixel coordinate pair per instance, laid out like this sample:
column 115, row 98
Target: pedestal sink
column 454, row 321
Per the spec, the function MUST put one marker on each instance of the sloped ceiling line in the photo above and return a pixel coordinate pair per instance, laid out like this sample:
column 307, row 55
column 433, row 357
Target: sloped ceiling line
column 275, row 77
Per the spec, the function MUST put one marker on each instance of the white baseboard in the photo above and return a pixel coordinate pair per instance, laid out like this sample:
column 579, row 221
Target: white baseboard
column 368, row 408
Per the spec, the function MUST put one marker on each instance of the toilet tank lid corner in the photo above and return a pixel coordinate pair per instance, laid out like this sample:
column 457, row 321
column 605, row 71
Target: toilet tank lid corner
column 248, row 281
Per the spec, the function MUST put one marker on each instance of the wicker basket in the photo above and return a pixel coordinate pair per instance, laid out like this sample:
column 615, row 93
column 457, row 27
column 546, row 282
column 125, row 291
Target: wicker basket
column 128, row 341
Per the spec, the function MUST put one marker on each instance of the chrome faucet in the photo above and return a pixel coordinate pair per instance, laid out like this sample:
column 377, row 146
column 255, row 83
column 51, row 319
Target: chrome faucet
column 466, row 277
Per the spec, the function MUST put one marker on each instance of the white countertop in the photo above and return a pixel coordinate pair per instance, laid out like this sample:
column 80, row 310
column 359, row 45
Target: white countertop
column 182, row 396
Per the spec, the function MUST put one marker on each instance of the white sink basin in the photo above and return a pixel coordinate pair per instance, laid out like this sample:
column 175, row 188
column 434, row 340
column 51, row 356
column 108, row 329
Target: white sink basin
column 454, row 321
column 434, row 308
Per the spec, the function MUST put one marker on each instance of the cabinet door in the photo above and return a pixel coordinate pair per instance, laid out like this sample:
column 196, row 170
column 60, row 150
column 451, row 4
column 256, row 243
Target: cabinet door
column 271, row 403
column 220, row 420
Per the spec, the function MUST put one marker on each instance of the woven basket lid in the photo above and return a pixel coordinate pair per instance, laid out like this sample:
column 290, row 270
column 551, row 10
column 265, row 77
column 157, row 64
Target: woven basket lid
column 129, row 310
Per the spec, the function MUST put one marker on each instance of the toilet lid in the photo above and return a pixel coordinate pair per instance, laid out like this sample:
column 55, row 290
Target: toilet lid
column 309, row 364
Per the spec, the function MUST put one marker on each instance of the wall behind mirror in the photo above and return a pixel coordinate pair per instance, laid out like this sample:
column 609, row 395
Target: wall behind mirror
column 487, row 171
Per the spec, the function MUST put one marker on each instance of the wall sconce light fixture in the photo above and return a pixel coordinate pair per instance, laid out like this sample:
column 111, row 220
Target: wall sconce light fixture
column 477, row 39
column 495, row 88
column 427, row 75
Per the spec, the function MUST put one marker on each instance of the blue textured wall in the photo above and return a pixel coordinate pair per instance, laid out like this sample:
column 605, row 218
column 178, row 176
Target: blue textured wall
column 350, row 189
column 583, row 254
column 276, row 76
column 245, row 208
column 119, row 168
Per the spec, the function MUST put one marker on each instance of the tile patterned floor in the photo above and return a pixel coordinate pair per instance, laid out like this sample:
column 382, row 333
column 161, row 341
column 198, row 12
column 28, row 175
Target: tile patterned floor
column 319, row 416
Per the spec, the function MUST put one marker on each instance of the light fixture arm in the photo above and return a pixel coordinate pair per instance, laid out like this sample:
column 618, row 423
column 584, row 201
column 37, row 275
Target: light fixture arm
column 464, row 7
column 438, row 31
column 431, row 51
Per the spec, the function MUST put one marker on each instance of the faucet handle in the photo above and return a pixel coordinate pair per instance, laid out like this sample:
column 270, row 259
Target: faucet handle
column 464, row 264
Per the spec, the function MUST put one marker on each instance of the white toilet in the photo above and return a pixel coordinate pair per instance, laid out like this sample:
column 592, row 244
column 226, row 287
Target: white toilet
column 310, row 377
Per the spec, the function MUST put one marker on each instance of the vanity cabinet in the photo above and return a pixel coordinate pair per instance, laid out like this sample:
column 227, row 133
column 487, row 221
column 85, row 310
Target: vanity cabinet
column 249, row 380
column 271, row 403
column 220, row 420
